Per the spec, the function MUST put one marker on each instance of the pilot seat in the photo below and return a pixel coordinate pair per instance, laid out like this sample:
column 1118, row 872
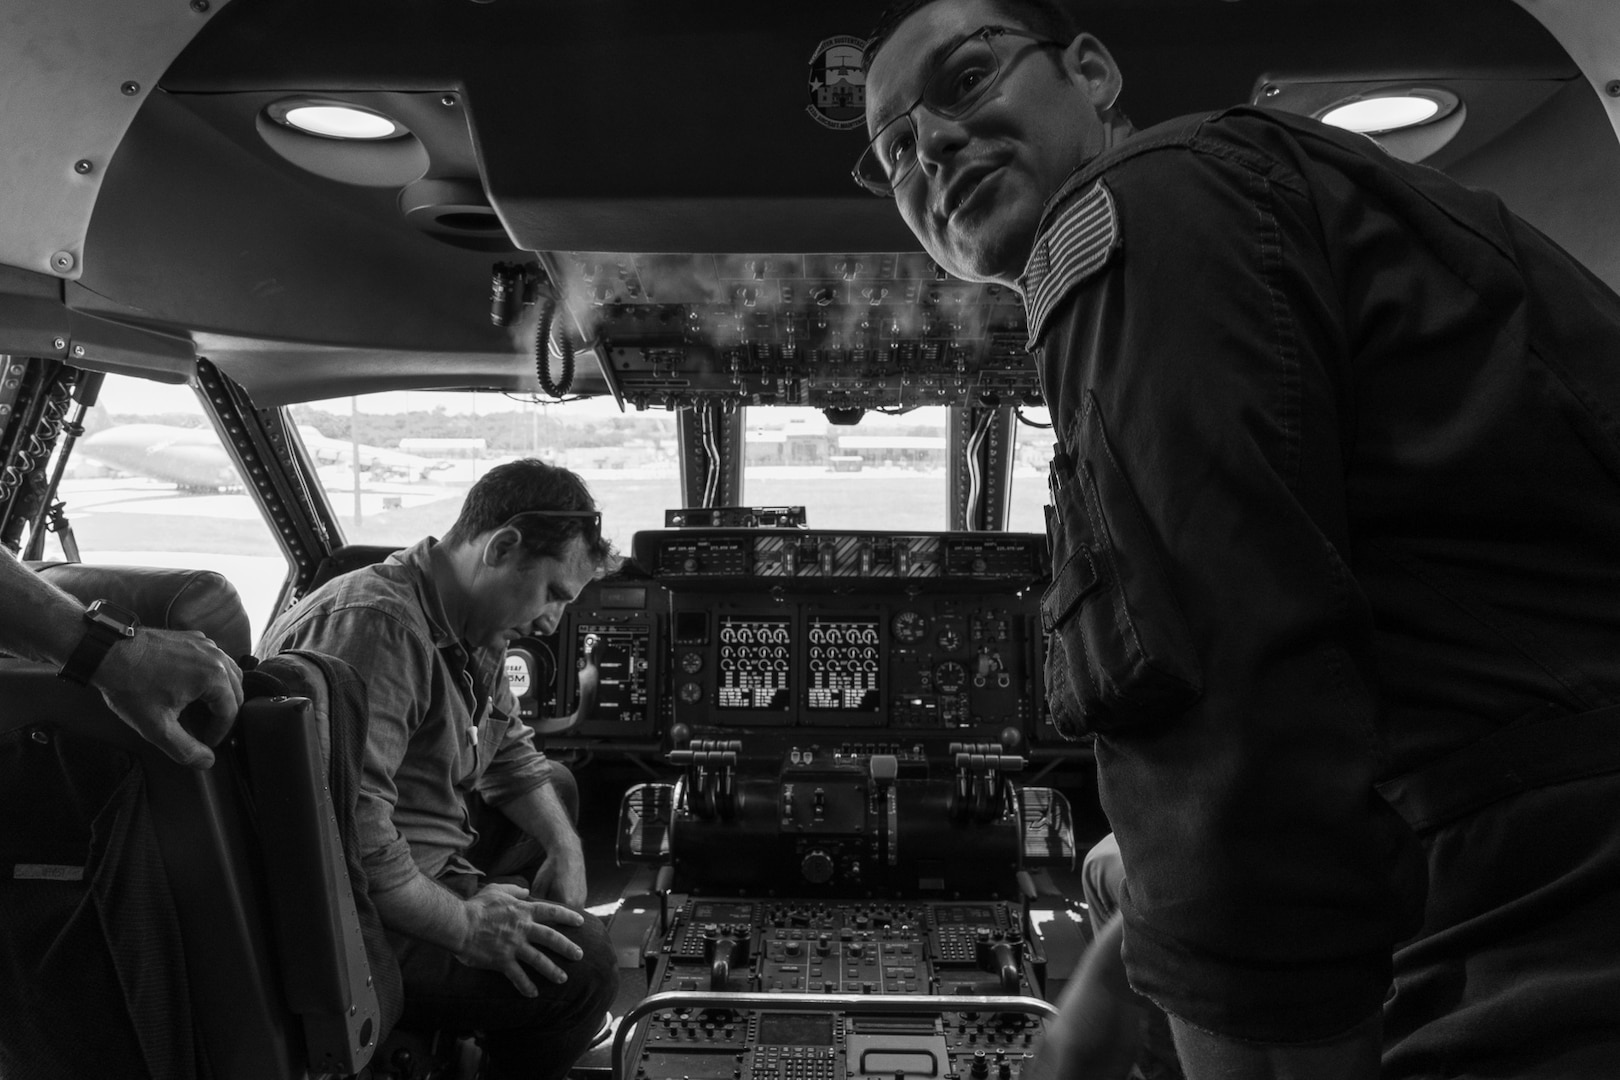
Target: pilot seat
column 161, row 921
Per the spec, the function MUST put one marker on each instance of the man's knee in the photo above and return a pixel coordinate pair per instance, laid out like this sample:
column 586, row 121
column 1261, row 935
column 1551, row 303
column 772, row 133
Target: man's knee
column 596, row 974
column 1101, row 876
column 546, row 1036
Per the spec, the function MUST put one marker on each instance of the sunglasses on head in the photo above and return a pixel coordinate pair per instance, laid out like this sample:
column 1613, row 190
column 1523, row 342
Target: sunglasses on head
column 592, row 519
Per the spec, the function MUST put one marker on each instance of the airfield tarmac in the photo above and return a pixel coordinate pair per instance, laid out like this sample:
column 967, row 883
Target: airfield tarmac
column 138, row 521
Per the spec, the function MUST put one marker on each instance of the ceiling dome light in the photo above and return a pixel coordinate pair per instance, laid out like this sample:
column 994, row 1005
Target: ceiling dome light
column 1374, row 115
column 350, row 141
column 1412, row 118
column 340, row 122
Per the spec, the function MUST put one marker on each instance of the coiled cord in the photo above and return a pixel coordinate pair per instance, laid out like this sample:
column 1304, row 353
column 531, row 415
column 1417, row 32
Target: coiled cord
column 36, row 446
column 542, row 353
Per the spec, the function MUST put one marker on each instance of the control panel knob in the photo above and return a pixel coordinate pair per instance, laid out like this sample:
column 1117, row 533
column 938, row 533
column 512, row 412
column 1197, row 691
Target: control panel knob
column 817, row 867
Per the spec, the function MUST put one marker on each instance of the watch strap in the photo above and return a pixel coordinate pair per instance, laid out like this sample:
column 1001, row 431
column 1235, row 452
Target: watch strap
column 106, row 624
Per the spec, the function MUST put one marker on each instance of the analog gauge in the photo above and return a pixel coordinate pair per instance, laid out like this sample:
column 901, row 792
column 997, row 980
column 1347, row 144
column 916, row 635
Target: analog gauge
column 910, row 626
column 691, row 693
column 949, row 639
column 950, row 677
column 692, row 663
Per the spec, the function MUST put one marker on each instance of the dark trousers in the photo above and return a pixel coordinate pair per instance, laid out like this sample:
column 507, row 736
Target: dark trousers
column 1517, row 971
column 1102, row 878
column 536, row 1038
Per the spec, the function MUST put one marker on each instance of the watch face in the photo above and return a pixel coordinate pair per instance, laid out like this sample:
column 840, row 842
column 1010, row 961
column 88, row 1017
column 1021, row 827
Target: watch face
column 114, row 617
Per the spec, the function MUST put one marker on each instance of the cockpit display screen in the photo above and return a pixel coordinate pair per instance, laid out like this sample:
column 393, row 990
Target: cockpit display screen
column 845, row 672
column 621, row 654
column 755, row 672
column 795, row 1029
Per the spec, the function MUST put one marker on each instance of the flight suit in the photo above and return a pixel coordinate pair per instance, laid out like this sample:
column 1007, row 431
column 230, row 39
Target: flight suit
column 1336, row 538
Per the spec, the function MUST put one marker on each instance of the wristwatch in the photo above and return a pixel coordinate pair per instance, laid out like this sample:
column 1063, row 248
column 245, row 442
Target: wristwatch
column 106, row 624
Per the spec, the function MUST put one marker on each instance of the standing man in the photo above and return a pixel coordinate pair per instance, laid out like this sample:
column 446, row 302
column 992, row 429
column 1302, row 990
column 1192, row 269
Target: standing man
column 427, row 631
column 1336, row 513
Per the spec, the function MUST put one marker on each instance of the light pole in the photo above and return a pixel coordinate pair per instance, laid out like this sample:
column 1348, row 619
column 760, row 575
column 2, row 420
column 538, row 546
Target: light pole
column 354, row 452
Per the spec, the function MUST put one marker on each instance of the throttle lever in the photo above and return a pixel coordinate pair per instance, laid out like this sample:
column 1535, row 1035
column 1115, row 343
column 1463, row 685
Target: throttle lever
column 1002, row 958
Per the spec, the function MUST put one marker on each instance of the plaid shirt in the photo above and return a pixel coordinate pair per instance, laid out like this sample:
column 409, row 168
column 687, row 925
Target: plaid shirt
column 441, row 719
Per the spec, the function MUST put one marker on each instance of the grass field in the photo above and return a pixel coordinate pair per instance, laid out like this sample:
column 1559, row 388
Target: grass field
column 152, row 516
column 164, row 520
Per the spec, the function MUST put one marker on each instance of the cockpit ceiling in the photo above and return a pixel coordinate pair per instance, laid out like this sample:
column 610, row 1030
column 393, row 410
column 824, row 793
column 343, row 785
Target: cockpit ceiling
column 628, row 125
column 678, row 147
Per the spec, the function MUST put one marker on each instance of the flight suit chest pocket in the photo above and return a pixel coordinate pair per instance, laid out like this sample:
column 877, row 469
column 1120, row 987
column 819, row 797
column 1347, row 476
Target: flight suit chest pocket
column 1119, row 652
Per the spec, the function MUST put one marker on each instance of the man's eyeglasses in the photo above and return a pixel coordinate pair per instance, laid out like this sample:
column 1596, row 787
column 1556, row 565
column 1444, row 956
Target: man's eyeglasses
column 591, row 520
column 953, row 89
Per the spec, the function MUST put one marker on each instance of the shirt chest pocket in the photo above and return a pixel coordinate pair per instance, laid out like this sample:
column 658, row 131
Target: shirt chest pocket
column 491, row 734
column 1119, row 652
column 485, row 730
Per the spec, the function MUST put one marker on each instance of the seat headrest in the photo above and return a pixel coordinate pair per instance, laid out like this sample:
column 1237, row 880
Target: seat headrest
column 347, row 558
column 162, row 598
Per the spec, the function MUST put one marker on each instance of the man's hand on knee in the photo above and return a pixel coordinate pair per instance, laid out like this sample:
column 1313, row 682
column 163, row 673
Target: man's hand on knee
column 508, row 931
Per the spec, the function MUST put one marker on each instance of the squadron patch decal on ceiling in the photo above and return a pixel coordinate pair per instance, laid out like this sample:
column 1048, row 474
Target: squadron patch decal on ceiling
column 838, row 83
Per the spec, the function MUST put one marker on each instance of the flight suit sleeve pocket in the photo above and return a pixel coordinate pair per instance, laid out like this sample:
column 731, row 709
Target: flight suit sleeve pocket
column 1119, row 652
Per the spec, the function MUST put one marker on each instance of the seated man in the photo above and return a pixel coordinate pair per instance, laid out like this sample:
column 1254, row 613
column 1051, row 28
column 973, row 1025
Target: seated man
column 1105, row 1030
column 427, row 630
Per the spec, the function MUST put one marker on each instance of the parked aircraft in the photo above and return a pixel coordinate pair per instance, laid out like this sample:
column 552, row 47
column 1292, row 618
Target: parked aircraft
column 190, row 458
column 194, row 459
column 379, row 461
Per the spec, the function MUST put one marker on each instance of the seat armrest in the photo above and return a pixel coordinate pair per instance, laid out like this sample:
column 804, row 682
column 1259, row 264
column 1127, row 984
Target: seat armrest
column 325, row 973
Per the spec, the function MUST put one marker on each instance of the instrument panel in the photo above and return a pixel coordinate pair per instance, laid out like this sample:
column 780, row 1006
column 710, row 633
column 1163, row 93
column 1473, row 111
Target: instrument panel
column 823, row 330
column 877, row 637
column 864, row 950
column 963, row 664
column 687, row 557
column 848, row 712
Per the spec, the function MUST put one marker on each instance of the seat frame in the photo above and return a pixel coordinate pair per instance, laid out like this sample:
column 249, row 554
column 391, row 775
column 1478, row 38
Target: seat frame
column 279, row 980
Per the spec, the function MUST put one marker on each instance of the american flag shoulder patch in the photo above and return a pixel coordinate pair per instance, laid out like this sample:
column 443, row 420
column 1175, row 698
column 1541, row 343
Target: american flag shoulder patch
column 1075, row 244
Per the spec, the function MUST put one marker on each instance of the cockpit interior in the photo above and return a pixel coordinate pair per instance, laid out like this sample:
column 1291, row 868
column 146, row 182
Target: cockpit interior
column 372, row 248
